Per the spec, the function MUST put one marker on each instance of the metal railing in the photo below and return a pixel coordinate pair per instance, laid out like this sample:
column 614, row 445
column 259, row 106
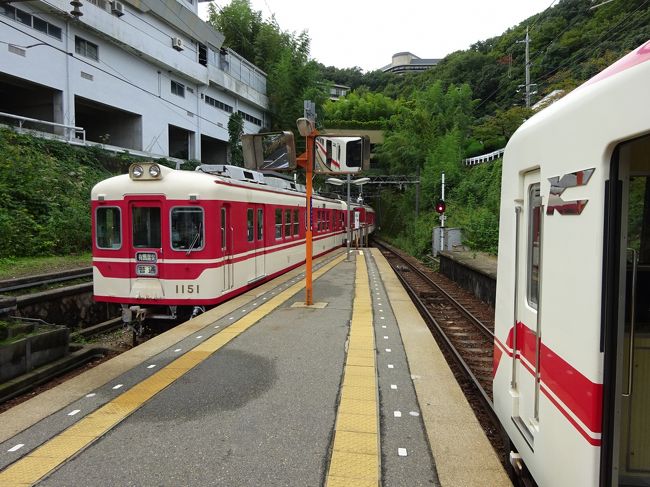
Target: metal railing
column 70, row 131
column 473, row 161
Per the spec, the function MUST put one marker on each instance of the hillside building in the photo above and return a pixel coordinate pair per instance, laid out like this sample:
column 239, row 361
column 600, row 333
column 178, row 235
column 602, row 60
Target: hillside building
column 148, row 76
column 407, row 62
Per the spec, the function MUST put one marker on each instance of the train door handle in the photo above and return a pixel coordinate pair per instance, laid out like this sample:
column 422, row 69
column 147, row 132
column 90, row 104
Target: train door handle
column 630, row 372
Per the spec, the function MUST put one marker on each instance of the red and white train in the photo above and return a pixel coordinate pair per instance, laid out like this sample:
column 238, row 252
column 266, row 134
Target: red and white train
column 572, row 347
column 165, row 239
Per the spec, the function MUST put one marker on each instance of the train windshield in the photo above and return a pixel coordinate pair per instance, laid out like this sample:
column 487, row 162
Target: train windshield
column 108, row 228
column 146, row 227
column 353, row 153
column 187, row 228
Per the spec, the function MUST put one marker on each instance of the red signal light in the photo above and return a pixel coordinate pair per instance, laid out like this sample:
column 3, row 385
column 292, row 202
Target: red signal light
column 440, row 207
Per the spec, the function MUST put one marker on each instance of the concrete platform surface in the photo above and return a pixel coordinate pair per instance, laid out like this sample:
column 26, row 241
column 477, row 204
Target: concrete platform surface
column 263, row 390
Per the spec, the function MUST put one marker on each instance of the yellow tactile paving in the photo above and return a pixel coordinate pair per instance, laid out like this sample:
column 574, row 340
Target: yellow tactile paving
column 356, row 406
column 356, row 460
column 362, row 361
column 361, row 423
column 354, row 466
column 354, row 442
column 64, row 445
column 347, row 482
column 57, row 450
column 360, row 381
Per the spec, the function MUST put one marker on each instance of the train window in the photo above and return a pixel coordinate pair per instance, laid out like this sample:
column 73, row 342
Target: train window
column 278, row 224
column 296, row 230
column 187, row 228
column 108, row 228
column 534, row 220
column 146, row 227
column 260, row 224
column 223, row 229
column 250, row 226
column 287, row 223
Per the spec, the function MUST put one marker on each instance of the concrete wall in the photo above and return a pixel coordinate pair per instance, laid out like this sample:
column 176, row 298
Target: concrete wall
column 482, row 285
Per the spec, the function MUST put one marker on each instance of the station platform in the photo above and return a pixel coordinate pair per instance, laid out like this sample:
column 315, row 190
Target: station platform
column 262, row 390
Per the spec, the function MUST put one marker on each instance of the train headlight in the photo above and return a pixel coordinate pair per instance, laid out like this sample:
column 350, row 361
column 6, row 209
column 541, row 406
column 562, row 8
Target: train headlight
column 154, row 170
column 137, row 171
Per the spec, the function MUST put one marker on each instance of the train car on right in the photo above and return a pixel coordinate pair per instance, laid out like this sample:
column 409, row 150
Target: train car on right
column 572, row 326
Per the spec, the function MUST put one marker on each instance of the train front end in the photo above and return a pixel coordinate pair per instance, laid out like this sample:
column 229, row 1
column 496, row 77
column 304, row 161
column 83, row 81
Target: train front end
column 149, row 242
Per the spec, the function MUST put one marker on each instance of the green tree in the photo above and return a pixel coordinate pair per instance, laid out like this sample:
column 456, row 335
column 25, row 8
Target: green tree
column 235, row 131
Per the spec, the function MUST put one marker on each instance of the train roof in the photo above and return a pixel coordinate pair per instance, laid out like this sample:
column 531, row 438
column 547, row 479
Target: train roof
column 179, row 184
column 590, row 121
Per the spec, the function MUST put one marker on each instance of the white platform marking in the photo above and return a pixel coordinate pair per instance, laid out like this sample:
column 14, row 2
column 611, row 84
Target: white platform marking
column 118, row 386
column 414, row 413
column 73, row 412
column 231, row 318
column 391, row 366
column 397, row 414
column 393, row 386
column 383, row 326
column 177, row 350
column 402, row 452
column 151, row 366
column 388, row 350
column 382, row 318
column 216, row 327
column 385, row 337
column 92, row 394
column 199, row 337
column 16, row 448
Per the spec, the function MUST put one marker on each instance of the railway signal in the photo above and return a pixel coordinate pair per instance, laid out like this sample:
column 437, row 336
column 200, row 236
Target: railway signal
column 440, row 207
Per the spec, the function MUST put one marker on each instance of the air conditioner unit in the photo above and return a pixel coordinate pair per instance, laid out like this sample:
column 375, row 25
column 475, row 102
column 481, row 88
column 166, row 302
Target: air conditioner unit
column 177, row 43
column 117, row 8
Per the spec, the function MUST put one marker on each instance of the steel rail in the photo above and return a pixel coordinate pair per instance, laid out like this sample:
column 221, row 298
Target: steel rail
column 438, row 330
column 44, row 279
column 475, row 321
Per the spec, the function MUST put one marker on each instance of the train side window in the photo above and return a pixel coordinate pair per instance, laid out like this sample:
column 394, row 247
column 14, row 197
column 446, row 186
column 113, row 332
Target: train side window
column 187, row 228
column 296, row 230
column 534, row 220
column 223, row 229
column 108, row 228
column 249, row 225
column 278, row 224
column 260, row 224
column 287, row 223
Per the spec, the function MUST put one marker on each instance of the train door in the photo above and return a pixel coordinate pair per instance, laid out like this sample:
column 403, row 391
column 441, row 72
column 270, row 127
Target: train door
column 227, row 244
column 633, row 363
column 527, row 332
column 146, row 239
column 260, row 269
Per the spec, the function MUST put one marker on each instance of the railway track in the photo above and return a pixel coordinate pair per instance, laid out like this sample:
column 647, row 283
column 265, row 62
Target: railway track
column 42, row 280
column 462, row 325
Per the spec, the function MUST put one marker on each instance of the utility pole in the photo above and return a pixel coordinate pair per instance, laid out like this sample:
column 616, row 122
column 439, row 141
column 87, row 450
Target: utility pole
column 417, row 194
column 528, row 84
column 442, row 217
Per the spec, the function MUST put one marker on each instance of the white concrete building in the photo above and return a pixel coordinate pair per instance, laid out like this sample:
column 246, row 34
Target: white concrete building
column 145, row 75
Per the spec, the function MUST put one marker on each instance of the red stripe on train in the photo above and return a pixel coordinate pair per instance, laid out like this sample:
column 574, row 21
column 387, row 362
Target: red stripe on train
column 579, row 394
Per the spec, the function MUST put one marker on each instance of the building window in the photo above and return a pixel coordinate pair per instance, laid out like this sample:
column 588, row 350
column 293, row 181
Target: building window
column 217, row 104
column 203, row 54
column 178, row 89
column 250, row 118
column 26, row 18
column 86, row 48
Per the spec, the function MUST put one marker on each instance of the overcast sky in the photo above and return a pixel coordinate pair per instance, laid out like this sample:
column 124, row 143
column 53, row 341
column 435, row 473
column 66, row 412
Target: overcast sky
column 366, row 33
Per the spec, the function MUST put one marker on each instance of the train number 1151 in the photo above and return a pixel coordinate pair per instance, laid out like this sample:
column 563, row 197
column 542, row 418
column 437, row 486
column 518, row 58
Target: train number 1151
column 187, row 289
